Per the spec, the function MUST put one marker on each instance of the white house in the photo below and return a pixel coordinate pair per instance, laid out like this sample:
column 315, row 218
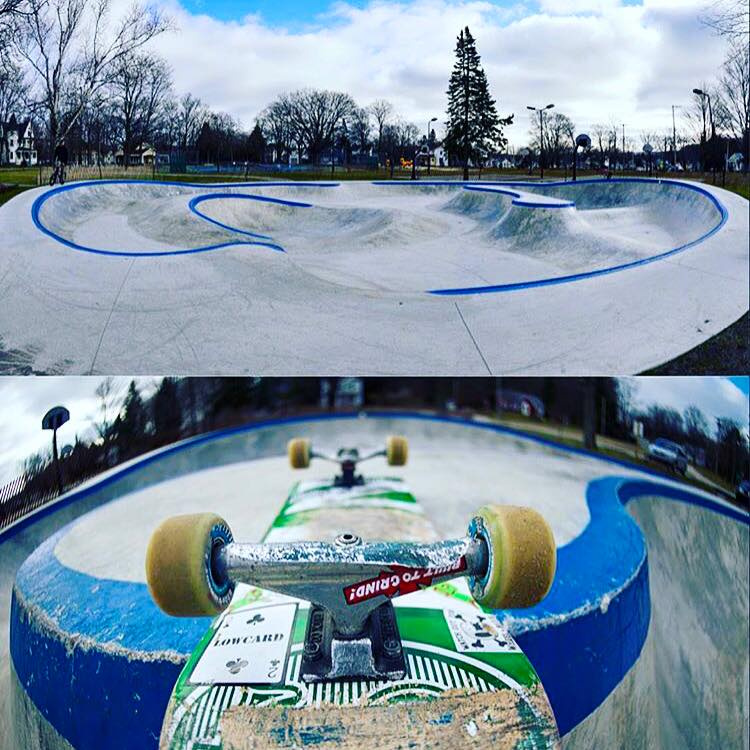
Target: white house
column 17, row 143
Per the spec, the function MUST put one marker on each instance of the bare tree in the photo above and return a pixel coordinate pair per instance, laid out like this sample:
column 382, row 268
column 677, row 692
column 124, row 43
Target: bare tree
column 315, row 117
column 140, row 85
column 276, row 123
column 14, row 89
column 361, row 128
column 729, row 18
column 72, row 50
column 734, row 96
column 189, row 118
column 399, row 141
column 382, row 111
column 602, row 138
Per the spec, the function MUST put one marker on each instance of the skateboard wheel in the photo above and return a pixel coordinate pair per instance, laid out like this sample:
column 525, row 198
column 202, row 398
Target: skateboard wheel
column 521, row 557
column 180, row 570
column 396, row 450
column 298, row 450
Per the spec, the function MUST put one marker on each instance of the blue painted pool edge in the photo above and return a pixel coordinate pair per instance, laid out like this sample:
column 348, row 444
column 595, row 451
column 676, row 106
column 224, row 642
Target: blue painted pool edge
column 42, row 199
column 570, row 278
column 117, row 474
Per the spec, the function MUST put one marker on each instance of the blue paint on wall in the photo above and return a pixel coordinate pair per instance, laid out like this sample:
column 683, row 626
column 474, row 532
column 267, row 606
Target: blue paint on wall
column 42, row 199
column 723, row 216
column 502, row 188
column 195, row 202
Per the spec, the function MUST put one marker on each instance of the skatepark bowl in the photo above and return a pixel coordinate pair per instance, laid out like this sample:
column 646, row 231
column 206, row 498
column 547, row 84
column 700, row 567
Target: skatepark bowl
column 476, row 277
column 641, row 643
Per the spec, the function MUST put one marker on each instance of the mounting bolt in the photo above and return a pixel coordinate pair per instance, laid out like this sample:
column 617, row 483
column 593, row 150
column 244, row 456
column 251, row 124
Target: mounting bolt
column 312, row 650
column 348, row 540
column 392, row 647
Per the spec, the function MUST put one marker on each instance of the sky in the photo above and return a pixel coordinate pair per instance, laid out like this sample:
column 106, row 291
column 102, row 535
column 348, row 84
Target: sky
column 596, row 60
column 24, row 401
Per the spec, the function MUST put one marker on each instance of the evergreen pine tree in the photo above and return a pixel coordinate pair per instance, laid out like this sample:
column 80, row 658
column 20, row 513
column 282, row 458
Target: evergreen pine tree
column 474, row 128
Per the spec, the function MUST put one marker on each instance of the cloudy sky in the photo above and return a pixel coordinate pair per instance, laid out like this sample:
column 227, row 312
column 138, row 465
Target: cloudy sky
column 24, row 401
column 596, row 60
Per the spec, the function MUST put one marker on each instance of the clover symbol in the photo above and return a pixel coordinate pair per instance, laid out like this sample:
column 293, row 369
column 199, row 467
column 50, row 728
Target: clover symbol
column 236, row 666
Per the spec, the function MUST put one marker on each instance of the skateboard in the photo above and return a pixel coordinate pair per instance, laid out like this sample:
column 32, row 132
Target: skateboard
column 353, row 623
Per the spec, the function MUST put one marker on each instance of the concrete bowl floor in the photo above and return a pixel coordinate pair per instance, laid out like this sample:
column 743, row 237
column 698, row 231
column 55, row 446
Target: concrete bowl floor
column 379, row 278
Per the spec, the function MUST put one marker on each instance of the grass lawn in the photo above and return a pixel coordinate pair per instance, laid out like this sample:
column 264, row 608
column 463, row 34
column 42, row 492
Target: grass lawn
column 613, row 448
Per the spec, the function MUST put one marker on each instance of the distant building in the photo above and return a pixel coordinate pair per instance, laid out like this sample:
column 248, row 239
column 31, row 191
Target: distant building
column 17, row 143
column 141, row 155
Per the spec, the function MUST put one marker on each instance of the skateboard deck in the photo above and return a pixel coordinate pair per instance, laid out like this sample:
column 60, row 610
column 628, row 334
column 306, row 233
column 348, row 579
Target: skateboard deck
column 467, row 682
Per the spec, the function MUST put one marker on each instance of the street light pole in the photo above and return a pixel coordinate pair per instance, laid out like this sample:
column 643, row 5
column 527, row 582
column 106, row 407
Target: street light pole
column 674, row 137
column 541, row 111
column 429, row 150
column 623, row 147
column 704, row 96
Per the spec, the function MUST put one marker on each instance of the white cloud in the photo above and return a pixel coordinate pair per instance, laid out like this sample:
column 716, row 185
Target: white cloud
column 714, row 396
column 25, row 400
column 597, row 60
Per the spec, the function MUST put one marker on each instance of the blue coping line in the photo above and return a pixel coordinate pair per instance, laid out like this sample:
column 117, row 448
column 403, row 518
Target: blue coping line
column 519, row 200
column 555, row 280
column 241, row 196
column 568, row 651
column 158, row 455
column 42, row 199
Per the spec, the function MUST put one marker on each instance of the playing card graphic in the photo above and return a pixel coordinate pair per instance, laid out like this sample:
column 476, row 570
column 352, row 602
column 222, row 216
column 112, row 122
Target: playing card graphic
column 478, row 632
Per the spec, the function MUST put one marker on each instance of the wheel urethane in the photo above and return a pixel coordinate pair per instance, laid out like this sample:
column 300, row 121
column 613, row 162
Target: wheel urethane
column 396, row 450
column 522, row 557
column 298, row 450
column 179, row 565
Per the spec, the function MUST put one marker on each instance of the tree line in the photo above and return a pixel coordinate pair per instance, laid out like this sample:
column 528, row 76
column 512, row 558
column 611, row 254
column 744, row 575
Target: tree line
column 88, row 77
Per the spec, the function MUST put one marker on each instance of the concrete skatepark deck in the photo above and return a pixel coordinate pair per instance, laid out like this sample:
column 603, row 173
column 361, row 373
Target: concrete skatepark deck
column 634, row 553
column 378, row 278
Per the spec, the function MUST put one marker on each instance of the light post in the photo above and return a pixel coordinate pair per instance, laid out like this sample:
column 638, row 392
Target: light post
column 541, row 111
column 704, row 96
column 674, row 137
column 429, row 150
column 623, row 147
column 55, row 418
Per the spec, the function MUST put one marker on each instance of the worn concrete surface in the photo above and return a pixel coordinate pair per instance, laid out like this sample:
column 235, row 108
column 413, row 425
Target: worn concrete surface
column 351, row 292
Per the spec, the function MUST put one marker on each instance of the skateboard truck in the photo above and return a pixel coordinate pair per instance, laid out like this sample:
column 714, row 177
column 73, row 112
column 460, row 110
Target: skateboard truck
column 351, row 628
column 301, row 453
column 193, row 565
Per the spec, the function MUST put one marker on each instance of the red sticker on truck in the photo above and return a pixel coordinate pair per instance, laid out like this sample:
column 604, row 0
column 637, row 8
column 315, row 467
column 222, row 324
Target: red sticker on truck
column 399, row 580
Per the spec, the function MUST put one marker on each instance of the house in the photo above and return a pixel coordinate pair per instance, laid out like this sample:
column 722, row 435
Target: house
column 141, row 155
column 17, row 142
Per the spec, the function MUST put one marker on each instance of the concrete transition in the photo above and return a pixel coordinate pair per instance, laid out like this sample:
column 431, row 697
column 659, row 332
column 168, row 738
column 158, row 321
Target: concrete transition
column 642, row 642
column 377, row 278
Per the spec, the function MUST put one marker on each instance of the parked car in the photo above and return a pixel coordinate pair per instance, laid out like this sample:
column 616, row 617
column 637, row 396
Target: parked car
column 522, row 403
column 742, row 493
column 670, row 454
